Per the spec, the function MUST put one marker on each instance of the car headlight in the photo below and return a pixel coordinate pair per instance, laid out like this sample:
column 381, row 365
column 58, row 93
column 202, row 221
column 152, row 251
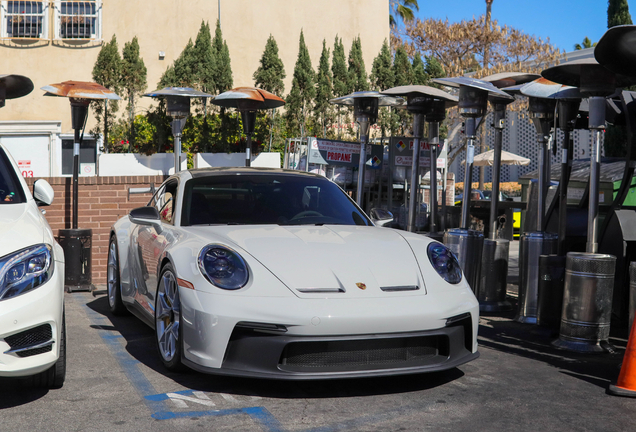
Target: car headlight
column 24, row 270
column 223, row 267
column 445, row 263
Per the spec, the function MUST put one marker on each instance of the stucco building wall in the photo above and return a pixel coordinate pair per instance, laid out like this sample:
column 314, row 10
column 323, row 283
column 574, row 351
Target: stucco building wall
column 166, row 26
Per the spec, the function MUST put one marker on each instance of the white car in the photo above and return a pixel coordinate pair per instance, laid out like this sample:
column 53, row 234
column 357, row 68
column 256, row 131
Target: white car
column 278, row 274
column 32, row 327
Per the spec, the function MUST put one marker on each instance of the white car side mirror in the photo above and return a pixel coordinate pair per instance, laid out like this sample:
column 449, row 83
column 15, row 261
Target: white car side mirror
column 381, row 217
column 43, row 193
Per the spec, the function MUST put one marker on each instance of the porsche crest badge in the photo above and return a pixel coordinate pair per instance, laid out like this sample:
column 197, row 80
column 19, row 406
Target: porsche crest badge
column 361, row 285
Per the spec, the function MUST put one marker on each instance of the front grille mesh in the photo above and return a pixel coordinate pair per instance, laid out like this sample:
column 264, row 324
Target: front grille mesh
column 360, row 353
column 31, row 337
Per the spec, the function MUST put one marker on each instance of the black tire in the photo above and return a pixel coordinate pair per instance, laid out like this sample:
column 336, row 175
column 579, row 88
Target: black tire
column 168, row 331
column 53, row 377
column 113, row 282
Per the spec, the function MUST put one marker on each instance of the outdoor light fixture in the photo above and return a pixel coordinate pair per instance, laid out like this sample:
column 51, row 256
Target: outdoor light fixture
column 427, row 103
column 248, row 100
column 14, row 86
column 365, row 110
column 178, row 108
column 77, row 242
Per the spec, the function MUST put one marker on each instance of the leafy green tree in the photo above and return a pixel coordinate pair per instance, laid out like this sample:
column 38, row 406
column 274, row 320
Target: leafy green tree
column 618, row 13
column 223, row 80
column 133, row 79
column 587, row 43
column 271, row 71
column 323, row 110
column 356, row 70
column 302, row 92
column 107, row 72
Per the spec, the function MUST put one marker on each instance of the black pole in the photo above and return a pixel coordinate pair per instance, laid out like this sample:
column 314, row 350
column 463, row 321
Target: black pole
column 79, row 111
column 499, row 122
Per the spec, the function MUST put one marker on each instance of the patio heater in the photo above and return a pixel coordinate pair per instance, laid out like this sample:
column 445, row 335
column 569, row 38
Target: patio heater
column 589, row 276
column 427, row 103
column 550, row 267
column 77, row 242
column 467, row 244
column 248, row 100
column 493, row 282
column 365, row 111
column 178, row 108
column 13, row 87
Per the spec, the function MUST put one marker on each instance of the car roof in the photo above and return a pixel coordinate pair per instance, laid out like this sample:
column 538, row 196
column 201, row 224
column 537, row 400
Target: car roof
column 206, row 172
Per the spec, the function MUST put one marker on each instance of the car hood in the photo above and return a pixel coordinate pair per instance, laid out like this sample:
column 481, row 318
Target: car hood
column 20, row 226
column 350, row 260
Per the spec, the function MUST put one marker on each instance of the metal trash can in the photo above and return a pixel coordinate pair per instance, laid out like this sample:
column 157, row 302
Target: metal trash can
column 531, row 246
column 77, row 255
column 587, row 302
column 467, row 246
column 551, row 280
column 493, row 279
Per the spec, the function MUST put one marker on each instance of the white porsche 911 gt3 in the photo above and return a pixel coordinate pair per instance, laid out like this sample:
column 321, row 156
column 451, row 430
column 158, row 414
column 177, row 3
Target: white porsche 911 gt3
column 279, row 274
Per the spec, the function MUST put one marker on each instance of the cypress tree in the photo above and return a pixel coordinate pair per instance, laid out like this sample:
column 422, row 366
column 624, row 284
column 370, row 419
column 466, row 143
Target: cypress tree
column 433, row 68
column 302, row 92
column 324, row 91
column 271, row 72
column 618, row 13
column 223, row 75
column 339, row 69
column 420, row 77
column 402, row 67
column 339, row 74
column 133, row 78
column 382, row 76
column 356, row 70
column 107, row 72
column 205, row 64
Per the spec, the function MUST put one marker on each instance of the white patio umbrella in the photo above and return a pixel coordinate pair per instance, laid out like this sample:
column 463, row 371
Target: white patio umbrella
column 486, row 159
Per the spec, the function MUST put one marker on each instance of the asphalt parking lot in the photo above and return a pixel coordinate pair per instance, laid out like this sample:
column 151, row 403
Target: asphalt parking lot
column 115, row 382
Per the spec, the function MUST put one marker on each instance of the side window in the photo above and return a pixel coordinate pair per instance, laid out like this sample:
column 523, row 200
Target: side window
column 164, row 201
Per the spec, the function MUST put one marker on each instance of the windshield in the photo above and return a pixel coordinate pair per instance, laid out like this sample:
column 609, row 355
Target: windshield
column 10, row 189
column 275, row 198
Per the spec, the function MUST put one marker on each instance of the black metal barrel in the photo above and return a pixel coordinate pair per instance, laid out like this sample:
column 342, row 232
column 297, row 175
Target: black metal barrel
column 77, row 255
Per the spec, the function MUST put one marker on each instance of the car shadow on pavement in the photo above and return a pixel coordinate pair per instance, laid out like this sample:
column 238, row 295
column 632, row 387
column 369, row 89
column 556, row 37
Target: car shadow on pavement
column 16, row 392
column 499, row 331
column 140, row 345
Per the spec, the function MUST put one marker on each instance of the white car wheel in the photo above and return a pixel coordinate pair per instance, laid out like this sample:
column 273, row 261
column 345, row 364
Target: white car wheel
column 168, row 320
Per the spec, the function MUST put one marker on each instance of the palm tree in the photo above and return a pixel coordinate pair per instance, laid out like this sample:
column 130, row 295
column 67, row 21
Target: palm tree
column 402, row 9
column 587, row 43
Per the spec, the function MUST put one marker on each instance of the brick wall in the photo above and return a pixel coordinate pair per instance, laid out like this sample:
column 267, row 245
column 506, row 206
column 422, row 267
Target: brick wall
column 102, row 200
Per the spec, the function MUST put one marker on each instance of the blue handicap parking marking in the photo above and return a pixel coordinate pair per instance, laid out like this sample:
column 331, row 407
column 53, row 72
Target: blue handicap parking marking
column 157, row 403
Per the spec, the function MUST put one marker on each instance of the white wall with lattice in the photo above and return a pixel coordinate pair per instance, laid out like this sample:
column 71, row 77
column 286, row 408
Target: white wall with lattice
column 519, row 137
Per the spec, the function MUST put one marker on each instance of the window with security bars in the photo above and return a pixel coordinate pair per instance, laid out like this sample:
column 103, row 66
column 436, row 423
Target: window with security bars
column 23, row 19
column 78, row 19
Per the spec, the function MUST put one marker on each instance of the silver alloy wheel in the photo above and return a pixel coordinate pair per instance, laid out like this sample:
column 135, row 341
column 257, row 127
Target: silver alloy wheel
column 167, row 316
column 112, row 276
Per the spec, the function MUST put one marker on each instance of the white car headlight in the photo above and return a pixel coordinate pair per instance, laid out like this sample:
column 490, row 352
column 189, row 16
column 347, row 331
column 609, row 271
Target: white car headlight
column 24, row 270
column 445, row 263
column 223, row 267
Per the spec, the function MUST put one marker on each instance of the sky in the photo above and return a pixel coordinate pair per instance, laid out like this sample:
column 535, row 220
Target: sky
column 564, row 22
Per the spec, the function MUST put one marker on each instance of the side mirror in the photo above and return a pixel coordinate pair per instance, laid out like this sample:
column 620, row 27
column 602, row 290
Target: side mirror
column 145, row 216
column 43, row 193
column 381, row 217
